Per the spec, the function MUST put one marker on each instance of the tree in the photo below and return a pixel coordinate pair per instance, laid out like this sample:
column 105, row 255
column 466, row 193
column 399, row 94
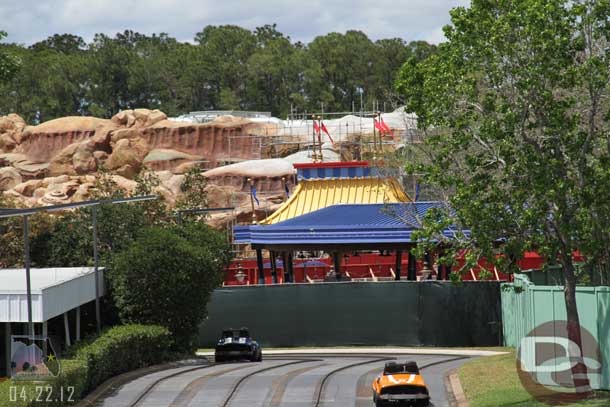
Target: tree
column 9, row 64
column 166, row 277
column 517, row 103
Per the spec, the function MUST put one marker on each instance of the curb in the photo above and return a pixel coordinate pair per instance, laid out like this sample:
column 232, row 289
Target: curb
column 117, row 381
column 374, row 351
column 455, row 390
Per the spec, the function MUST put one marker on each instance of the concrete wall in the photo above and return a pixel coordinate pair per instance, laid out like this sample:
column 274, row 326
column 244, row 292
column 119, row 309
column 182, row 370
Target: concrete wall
column 408, row 313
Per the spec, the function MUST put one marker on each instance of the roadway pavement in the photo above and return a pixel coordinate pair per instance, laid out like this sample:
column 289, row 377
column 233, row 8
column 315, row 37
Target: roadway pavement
column 297, row 379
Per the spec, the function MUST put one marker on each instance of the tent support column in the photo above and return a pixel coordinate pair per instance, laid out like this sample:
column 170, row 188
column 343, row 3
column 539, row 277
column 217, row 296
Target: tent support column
column 261, row 267
column 285, row 267
column 272, row 255
column 290, row 268
column 398, row 264
column 412, row 267
column 67, row 328
column 337, row 262
column 77, row 339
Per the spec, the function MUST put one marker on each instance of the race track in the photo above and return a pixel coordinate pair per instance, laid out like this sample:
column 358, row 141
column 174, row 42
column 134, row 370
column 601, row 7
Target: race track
column 280, row 380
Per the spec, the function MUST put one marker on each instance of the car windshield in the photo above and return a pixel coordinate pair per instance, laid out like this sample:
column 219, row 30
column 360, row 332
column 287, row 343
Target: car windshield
column 397, row 368
column 235, row 333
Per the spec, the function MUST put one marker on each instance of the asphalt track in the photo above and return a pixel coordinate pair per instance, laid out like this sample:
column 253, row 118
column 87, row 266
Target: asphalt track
column 279, row 380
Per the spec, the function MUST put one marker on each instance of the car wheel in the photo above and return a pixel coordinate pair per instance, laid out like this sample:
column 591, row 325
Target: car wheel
column 422, row 403
column 380, row 403
column 260, row 357
column 219, row 359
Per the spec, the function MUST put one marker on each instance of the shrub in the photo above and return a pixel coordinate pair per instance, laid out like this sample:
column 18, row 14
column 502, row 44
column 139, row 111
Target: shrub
column 124, row 348
column 166, row 278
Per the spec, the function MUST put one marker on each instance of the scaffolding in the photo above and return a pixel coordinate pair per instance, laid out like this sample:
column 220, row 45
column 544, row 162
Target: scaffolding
column 350, row 131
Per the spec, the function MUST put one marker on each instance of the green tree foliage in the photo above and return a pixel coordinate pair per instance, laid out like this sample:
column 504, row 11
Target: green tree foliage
column 194, row 194
column 9, row 63
column 517, row 99
column 166, row 277
column 227, row 67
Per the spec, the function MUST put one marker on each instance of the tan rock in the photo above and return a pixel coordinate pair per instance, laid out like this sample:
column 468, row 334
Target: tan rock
column 59, row 193
column 11, row 127
column 39, row 193
column 184, row 167
column 21, row 163
column 62, row 162
column 172, row 182
column 83, row 161
column 60, row 179
column 28, row 188
column 127, row 156
column 100, row 157
column 7, row 143
column 9, row 178
column 125, row 184
column 82, row 192
column 124, row 134
column 138, row 117
column 67, row 124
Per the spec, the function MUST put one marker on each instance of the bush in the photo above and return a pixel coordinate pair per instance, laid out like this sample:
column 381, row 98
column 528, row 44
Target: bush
column 124, row 348
column 166, row 278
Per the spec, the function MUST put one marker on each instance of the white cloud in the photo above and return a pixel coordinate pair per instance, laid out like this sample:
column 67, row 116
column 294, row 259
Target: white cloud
column 28, row 21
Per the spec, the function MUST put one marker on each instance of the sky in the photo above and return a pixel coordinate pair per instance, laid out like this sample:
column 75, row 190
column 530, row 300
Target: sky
column 29, row 21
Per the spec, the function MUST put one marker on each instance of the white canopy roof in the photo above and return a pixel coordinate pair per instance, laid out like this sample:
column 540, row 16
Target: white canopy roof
column 54, row 291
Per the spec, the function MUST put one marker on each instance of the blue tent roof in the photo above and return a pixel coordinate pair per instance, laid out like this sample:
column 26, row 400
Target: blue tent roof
column 344, row 224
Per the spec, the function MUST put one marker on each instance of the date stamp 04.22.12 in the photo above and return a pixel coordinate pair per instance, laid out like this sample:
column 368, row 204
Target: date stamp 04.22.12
column 41, row 394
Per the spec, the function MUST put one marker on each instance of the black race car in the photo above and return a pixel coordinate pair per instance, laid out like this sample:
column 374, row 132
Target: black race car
column 236, row 344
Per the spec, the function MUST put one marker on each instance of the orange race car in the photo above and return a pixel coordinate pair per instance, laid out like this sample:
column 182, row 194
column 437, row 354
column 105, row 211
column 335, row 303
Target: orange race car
column 400, row 384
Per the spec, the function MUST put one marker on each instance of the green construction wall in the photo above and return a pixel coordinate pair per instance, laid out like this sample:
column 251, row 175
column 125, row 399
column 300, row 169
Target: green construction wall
column 431, row 313
column 525, row 306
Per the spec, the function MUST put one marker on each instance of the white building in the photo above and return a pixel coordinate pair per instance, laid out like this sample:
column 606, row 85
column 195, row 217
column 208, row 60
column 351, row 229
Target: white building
column 55, row 293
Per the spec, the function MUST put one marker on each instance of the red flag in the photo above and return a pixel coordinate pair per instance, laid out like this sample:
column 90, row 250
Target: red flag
column 386, row 128
column 316, row 128
column 325, row 130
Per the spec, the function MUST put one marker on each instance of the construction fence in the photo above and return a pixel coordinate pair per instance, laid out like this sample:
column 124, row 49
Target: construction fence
column 395, row 313
column 526, row 306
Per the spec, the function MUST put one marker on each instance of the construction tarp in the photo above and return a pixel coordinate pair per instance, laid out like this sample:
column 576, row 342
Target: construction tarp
column 398, row 313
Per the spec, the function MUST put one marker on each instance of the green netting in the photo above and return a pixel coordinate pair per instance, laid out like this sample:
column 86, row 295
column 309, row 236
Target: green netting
column 402, row 313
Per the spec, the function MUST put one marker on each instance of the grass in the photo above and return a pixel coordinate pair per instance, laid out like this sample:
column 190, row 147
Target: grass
column 493, row 381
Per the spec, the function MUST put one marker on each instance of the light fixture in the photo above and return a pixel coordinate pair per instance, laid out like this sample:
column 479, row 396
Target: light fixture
column 240, row 276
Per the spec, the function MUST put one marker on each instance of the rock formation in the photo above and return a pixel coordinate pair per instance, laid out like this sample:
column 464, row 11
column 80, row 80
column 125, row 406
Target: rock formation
column 58, row 161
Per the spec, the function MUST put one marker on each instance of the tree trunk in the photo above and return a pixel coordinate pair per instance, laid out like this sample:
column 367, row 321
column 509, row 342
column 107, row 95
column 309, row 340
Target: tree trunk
column 579, row 369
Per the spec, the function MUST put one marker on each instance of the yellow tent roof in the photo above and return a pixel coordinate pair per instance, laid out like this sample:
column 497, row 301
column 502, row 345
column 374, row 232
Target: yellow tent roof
column 311, row 195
